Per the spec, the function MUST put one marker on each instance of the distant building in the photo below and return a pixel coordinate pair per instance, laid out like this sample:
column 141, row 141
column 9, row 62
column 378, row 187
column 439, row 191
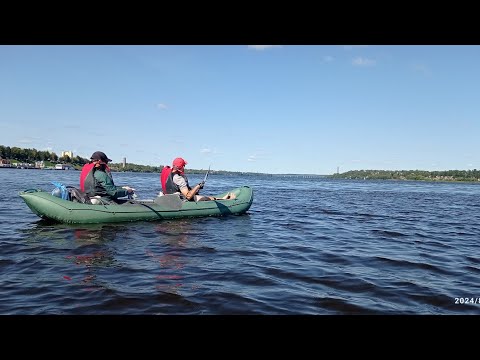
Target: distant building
column 5, row 163
column 124, row 162
column 67, row 153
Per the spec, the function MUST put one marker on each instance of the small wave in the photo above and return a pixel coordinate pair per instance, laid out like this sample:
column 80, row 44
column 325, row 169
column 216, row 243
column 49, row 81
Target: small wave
column 389, row 233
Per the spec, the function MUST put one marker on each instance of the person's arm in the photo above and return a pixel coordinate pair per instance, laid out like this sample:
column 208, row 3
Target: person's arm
column 184, row 188
column 107, row 183
column 189, row 194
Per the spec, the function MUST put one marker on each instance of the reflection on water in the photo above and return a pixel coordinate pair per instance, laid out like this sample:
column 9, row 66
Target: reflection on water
column 94, row 247
column 173, row 239
column 91, row 262
column 44, row 230
column 87, row 245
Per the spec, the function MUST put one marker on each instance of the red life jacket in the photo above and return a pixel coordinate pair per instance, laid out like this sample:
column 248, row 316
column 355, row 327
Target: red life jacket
column 87, row 168
column 166, row 171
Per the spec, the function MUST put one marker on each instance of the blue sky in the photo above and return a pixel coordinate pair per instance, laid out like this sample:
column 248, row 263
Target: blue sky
column 256, row 108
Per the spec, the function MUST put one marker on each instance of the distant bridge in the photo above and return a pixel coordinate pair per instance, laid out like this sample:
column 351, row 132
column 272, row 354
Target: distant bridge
column 301, row 176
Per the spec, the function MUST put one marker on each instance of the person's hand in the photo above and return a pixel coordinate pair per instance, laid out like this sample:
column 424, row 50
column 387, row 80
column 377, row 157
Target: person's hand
column 129, row 189
column 130, row 192
column 201, row 185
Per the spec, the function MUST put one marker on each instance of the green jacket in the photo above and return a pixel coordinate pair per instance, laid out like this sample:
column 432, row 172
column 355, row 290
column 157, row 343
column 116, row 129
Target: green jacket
column 105, row 187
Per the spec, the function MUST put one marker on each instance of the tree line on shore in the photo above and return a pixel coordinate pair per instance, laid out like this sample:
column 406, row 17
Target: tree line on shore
column 77, row 162
column 419, row 175
column 33, row 155
column 50, row 159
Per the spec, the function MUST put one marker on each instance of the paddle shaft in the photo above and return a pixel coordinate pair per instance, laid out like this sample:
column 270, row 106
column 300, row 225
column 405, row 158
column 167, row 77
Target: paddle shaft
column 206, row 175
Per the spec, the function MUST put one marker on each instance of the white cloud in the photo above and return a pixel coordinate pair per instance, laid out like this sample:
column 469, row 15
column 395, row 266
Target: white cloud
column 327, row 59
column 259, row 154
column 262, row 47
column 208, row 150
column 162, row 106
column 361, row 61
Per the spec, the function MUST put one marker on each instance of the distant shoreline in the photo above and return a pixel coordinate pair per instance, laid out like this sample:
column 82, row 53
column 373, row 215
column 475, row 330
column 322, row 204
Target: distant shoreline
column 460, row 176
column 34, row 159
column 412, row 175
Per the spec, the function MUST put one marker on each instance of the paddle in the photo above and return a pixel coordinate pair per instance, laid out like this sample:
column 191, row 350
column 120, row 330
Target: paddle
column 202, row 184
column 206, row 175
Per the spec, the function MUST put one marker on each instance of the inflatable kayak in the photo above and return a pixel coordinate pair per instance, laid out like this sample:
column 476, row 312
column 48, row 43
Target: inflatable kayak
column 50, row 207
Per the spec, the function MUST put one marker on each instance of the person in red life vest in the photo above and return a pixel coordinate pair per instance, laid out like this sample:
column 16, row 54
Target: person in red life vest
column 174, row 180
column 96, row 180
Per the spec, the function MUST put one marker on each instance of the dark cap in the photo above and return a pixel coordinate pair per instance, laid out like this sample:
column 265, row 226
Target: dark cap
column 98, row 155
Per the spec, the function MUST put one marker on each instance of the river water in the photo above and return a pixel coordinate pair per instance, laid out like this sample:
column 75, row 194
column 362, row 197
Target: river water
column 306, row 246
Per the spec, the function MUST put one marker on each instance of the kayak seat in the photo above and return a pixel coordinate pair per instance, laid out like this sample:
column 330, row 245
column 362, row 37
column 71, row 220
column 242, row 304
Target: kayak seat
column 97, row 200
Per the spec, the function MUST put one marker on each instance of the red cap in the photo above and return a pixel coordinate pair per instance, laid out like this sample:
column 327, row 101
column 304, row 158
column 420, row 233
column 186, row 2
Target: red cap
column 179, row 163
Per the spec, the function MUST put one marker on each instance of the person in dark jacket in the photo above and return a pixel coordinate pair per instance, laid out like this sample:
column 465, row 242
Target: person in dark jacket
column 96, row 180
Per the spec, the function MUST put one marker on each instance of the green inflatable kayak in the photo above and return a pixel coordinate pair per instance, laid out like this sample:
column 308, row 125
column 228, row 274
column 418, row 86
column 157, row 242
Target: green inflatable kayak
column 50, row 207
